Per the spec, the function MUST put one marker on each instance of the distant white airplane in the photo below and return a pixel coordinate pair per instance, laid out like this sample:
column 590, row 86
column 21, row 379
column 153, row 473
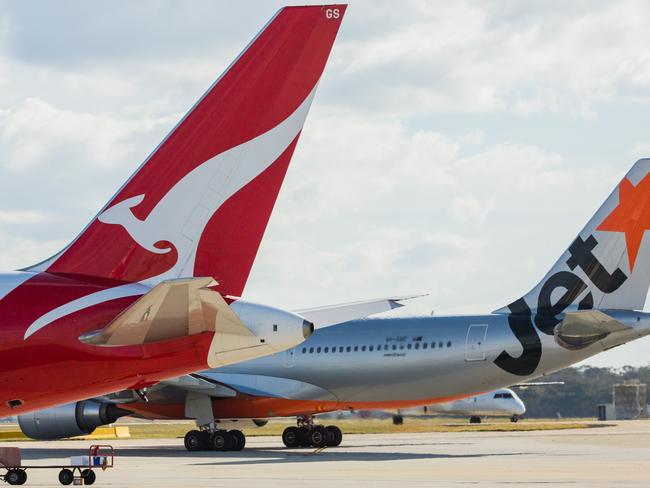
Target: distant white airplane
column 499, row 403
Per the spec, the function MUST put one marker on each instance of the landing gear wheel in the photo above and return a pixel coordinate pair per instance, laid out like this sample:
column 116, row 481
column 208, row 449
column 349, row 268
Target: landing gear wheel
column 194, row 440
column 16, row 477
column 303, row 437
column 240, row 439
column 335, row 436
column 474, row 420
column 222, row 441
column 514, row 418
column 65, row 476
column 89, row 476
column 318, row 436
column 398, row 420
column 292, row 437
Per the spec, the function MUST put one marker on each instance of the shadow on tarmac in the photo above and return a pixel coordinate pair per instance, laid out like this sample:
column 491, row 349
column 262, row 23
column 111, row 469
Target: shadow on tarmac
column 257, row 456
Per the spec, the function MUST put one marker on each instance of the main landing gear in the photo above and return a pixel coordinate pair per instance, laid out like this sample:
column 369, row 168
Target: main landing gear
column 307, row 434
column 218, row 440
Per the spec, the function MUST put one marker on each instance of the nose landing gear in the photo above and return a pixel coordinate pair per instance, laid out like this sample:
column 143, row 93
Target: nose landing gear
column 308, row 434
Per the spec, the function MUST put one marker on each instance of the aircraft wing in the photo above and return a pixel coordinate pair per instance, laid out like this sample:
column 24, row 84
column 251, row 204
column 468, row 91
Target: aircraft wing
column 342, row 312
column 199, row 384
column 523, row 386
column 172, row 309
column 228, row 385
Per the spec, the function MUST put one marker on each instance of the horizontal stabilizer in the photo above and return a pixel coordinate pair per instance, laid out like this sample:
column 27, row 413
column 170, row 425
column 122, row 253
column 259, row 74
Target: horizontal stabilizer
column 343, row 312
column 172, row 309
column 585, row 327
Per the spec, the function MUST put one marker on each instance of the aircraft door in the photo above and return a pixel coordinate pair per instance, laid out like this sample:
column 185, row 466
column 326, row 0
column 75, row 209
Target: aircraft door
column 289, row 357
column 475, row 344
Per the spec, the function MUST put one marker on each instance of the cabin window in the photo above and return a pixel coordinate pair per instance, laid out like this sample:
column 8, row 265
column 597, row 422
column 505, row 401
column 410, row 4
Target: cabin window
column 304, row 350
column 348, row 349
column 327, row 349
column 371, row 348
column 425, row 345
column 448, row 343
column 409, row 346
column 318, row 350
column 417, row 345
column 311, row 350
column 356, row 348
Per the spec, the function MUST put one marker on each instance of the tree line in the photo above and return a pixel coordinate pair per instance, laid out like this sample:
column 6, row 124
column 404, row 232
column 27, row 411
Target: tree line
column 585, row 387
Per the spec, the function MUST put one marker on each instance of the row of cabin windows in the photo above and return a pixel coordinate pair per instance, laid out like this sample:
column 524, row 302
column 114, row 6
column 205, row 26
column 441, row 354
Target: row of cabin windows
column 385, row 347
column 503, row 395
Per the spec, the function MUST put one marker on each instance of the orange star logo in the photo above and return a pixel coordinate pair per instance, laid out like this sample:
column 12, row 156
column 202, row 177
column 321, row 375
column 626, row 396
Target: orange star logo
column 631, row 216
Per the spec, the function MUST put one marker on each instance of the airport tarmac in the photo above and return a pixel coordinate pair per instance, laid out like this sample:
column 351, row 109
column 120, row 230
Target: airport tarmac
column 608, row 456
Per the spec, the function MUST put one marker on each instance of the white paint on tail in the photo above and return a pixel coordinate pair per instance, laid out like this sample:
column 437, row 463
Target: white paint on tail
column 183, row 213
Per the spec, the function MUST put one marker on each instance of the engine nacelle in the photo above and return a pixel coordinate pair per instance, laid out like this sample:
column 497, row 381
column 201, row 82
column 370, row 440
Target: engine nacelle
column 278, row 329
column 69, row 420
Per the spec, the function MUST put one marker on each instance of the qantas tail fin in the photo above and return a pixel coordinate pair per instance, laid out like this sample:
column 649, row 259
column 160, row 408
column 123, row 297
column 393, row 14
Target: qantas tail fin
column 607, row 266
column 199, row 205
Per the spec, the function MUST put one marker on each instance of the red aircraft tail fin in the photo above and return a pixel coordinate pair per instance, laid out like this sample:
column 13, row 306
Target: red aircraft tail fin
column 199, row 205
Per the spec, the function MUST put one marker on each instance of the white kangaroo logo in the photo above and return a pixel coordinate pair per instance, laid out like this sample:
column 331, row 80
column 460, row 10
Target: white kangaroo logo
column 182, row 214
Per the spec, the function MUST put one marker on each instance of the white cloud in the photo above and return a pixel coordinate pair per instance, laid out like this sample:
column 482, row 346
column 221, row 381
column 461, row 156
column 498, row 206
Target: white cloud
column 21, row 217
column 471, row 209
column 35, row 133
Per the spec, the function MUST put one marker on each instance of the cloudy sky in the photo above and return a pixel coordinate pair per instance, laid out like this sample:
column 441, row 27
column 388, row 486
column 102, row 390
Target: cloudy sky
column 454, row 148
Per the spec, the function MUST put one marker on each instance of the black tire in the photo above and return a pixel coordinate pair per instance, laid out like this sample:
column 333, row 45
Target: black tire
column 88, row 476
column 318, row 436
column 303, row 437
column 14, row 477
column 222, row 441
column 23, row 476
column 335, row 436
column 66, row 477
column 292, row 437
column 475, row 420
column 398, row 420
column 194, row 440
column 240, row 439
column 514, row 419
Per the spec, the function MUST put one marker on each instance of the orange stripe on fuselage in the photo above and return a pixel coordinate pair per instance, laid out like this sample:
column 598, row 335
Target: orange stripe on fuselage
column 253, row 407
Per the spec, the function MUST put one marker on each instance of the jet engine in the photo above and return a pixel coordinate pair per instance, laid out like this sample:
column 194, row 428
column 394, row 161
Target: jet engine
column 277, row 328
column 69, row 420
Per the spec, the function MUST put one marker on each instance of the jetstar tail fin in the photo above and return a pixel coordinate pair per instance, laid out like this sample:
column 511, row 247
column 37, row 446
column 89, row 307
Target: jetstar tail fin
column 607, row 266
column 199, row 205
